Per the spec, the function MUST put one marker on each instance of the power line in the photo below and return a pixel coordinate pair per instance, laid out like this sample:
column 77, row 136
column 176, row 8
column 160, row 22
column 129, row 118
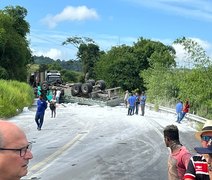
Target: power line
column 52, row 41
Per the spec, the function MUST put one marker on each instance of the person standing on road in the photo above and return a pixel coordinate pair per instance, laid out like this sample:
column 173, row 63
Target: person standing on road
column 131, row 101
column 52, row 106
column 198, row 164
column 15, row 151
column 39, row 116
column 143, row 102
column 179, row 157
column 185, row 110
column 137, row 102
column 58, row 92
column 179, row 108
column 126, row 96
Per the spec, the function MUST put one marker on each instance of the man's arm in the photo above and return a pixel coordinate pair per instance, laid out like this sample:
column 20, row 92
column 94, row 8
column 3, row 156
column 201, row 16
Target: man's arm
column 190, row 171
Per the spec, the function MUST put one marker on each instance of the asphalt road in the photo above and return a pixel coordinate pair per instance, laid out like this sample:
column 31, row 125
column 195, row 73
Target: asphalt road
column 100, row 143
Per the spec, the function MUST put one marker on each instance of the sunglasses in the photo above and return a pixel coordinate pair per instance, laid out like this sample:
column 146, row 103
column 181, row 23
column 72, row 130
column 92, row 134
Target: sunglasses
column 206, row 138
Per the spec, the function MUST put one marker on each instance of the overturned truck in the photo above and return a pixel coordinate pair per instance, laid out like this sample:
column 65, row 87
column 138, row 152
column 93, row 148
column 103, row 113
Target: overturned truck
column 92, row 93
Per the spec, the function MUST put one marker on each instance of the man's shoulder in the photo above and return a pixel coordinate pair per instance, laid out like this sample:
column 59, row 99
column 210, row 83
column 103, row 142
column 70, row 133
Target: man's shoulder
column 198, row 157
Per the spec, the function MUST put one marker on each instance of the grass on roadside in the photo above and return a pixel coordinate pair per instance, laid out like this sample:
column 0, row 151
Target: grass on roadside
column 14, row 96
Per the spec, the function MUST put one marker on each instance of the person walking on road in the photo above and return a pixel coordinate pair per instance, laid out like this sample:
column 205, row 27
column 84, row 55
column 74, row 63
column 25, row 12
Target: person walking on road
column 198, row 165
column 185, row 110
column 143, row 102
column 15, row 151
column 179, row 108
column 179, row 157
column 39, row 116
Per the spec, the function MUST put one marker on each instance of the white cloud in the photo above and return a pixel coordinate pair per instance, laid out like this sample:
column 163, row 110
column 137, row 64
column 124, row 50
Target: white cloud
column 70, row 13
column 182, row 57
column 52, row 53
column 197, row 9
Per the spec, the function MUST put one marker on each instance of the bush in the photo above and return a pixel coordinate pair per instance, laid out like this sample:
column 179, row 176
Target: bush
column 14, row 97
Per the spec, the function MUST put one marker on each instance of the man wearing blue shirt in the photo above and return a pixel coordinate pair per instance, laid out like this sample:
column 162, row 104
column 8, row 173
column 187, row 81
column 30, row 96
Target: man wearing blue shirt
column 131, row 101
column 41, row 107
column 179, row 108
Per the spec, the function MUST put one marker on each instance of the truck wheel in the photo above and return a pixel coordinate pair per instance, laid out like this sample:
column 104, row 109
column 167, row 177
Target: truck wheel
column 91, row 81
column 101, row 84
column 76, row 89
column 44, row 86
column 86, row 88
column 62, row 92
column 58, row 82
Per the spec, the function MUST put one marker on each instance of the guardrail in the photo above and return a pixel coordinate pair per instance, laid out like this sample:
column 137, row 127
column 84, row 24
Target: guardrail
column 188, row 116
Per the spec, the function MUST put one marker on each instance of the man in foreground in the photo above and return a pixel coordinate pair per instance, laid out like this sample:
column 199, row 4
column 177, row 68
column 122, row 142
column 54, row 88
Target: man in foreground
column 208, row 150
column 198, row 164
column 15, row 152
column 179, row 157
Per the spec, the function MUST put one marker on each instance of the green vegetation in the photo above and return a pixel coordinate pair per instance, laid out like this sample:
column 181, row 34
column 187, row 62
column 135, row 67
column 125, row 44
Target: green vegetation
column 14, row 47
column 168, row 84
column 14, row 97
column 146, row 65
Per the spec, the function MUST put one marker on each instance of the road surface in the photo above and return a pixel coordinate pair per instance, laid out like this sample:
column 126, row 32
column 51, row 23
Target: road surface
column 100, row 143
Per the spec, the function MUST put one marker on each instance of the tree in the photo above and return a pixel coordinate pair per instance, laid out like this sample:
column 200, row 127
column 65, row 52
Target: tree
column 88, row 53
column 196, row 82
column 15, row 53
column 18, row 15
column 122, row 65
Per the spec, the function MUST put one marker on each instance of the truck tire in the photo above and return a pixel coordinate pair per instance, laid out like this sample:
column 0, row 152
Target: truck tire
column 76, row 89
column 44, row 86
column 62, row 92
column 101, row 84
column 86, row 88
column 91, row 81
column 58, row 82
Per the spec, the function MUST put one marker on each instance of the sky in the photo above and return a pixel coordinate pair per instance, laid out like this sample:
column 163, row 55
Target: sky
column 114, row 22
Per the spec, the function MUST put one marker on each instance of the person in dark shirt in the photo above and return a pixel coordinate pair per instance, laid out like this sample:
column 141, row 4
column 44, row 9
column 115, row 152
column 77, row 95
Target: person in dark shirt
column 52, row 106
column 39, row 116
column 208, row 150
column 142, row 103
column 198, row 168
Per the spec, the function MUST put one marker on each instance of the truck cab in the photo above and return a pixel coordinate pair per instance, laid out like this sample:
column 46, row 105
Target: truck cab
column 53, row 77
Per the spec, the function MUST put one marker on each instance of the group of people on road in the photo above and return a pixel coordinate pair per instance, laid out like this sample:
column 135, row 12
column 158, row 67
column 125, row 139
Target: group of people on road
column 133, row 100
column 182, row 110
column 53, row 99
column 15, row 148
column 181, row 164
